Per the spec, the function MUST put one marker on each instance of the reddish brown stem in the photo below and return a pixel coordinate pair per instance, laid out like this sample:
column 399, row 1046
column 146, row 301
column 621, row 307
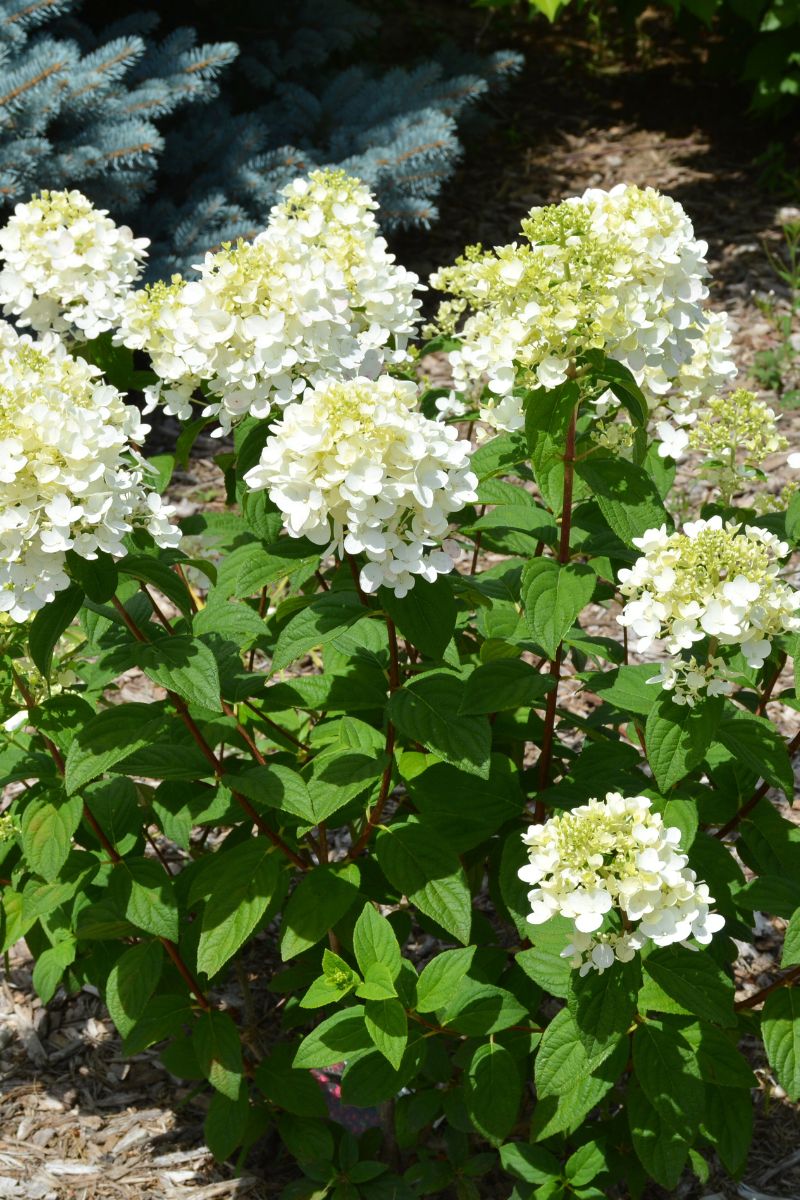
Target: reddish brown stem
column 181, row 575
column 186, row 974
column 769, row 687
column 274, row 725
column 216, row 765
column 353, row 565
column 757, row 997
column 133, row 628
column 376, row 812
column 262, row 609
column 162, row 617
column 546, row 754
column 477, row 550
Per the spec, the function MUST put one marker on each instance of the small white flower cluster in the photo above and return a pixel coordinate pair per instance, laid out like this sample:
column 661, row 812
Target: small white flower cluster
column 354, row 466
column 67, row 266
column 316, row 295
column 689, row 679
column 618, row 270
column 69, row 478
column 735, row 433
column 712, row 580
column 615, row 856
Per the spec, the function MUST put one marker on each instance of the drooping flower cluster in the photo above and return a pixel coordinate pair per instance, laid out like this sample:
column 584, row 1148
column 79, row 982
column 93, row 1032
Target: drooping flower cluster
column 316, row 295
column 613, row 863
column 67, row 266
column 69, row 479
column 713, row 580
column 618, row 270
column 356, row 467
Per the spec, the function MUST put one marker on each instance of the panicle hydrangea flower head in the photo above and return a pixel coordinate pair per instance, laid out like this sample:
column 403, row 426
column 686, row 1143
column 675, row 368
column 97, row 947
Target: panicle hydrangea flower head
column 615, row 856
column 731, row 428
column 356, row 467
column 618, row 270
column 713, row 580
column 316, row 295
column 69, row 479
column 67, row 266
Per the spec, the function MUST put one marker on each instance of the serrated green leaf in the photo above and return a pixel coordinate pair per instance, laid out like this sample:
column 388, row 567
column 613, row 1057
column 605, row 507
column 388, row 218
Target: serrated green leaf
column 553, row 595
column 780, row 1028
column 107, row 739
column 48, row 824
column 668, row 1074
column 438, row 984
column 338, row 1037
column 791, row 941
column 493, row 1091
column 244, row 886
column 427, row 871
column 321, row 898
column 677, row 740
column 131, row 982
column 427, row 711
column 661, row 1149
column 626, row 495
column 185, row 666
column 603, row 1005
column 219, row 1053
column 326, row 618
column 426, row 616
column 505, row 683
column 145, row 895
column 694, row 980
column 387, row 1025
column 757, row 744
column 374, row 941
column 49, row 624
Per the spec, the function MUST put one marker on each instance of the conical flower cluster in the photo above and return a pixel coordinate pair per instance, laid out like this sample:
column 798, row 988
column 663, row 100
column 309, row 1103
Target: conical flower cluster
column 615, row 870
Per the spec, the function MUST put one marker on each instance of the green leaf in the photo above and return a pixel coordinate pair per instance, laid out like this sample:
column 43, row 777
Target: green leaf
column 463, row 810
column 50, row 966
column 243, row 887
column 565, row 1112
column 780, row 1027
column 219, row 1052
column 677, row 739
column 603, row 1005
column 185, row 666
column 757, row 744
column 493, row 1091
column 504, row 684
column 728, row 1124
column 554, row 594
column 49, row 624
column 562, row 1057
column 626, row 495
column 108, row 738
column 131, row 982
column 667, row 1071
column 328, row 616
column 426, row 616
column 278, row 787
column 378, row 983
column 661, row 1149
column 48, row 824
column 387, row 1025
column 694, row 980
column 625, row 687
column 98, row 577
column 152, row 571
column 262, row 565
column 426, row 870
column 618, row 377
column 543, row 962
column 339, row 1037
column 427, row 711
column 718, row 1061
column 294, row 1090
column 533, row 1164
column 441, row 978
column 226, row 1123
column 498, row 455
column 321, row 898
column 791, row 941
column 145, row 895
column 374, row 941
column 547, row 418
column 585, row 1164
column 478, row 1009
column 163, row 1016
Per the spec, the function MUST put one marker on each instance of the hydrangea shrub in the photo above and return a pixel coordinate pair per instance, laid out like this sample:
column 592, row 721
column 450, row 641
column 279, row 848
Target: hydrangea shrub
column 469, row 722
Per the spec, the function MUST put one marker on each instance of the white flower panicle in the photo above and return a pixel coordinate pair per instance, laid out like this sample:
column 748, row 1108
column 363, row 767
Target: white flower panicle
column 712, row 580
column 67, row 266
column 735, row 433
column 69, row 479
column 620, row 271
column 614, row 862
column 316, row 295
column 355, row 467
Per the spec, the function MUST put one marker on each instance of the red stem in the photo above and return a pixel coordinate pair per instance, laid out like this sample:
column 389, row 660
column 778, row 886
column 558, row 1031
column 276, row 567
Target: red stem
column 376, row 812
column 757, row 997
column 757, row 795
